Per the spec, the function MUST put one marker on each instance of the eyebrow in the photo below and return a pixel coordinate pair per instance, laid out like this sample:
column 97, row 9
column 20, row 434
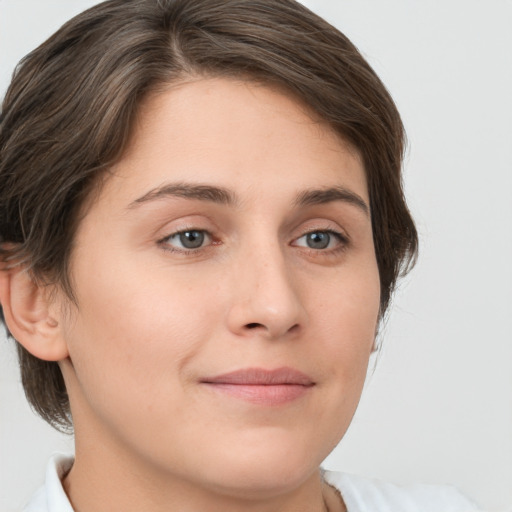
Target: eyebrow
column 224, row 196
column 331, row 194
column 209, row 193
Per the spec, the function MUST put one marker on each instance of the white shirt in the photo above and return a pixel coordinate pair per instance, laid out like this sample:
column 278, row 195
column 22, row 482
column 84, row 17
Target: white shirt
column 360, row 494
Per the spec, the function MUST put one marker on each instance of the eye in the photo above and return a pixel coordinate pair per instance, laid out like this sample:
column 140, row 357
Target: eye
column 320, row 240
column 189, row 239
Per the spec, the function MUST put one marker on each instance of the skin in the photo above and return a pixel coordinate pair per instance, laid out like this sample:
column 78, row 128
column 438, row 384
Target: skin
column 154, row 318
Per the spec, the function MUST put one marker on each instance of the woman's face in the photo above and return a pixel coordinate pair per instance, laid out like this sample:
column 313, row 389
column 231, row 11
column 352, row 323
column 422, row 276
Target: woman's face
column 227, row 292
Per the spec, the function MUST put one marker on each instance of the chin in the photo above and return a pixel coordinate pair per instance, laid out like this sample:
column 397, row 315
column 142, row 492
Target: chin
column 260, row 481
column 264, row 469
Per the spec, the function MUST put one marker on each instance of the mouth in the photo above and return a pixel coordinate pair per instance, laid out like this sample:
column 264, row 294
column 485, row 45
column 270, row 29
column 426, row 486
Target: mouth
column 262, row 387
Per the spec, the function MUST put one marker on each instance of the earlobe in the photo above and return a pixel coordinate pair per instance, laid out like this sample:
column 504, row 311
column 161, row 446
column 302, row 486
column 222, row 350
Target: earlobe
column 27, row 311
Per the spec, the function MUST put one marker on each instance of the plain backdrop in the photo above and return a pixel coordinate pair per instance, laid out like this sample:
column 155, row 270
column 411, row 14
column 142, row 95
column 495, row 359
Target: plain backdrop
column 438, row 407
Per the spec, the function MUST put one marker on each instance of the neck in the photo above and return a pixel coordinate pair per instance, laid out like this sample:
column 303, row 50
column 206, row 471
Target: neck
column 103, row 479
column 90, row 489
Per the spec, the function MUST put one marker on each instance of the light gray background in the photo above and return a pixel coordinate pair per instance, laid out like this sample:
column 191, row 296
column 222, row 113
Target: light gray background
column 438, row 408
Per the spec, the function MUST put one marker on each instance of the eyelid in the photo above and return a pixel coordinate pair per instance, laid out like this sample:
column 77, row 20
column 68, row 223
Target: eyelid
column 343, row 240
column 164, row 241
column 341, row 237
column 321, row 224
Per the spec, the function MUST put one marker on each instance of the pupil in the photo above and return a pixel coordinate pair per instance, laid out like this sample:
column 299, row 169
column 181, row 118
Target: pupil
column 318, row 240
column 192, row 239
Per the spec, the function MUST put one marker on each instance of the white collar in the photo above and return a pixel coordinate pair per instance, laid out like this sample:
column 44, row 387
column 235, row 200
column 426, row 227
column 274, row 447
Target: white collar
column 52, row 497
column 360, row 494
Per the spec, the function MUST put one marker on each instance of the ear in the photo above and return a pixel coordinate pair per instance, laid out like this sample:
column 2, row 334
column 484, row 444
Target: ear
column 28, row 314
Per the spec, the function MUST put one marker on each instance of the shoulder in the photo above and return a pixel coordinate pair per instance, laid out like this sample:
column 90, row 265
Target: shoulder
column 365, row 495
column 51, row 497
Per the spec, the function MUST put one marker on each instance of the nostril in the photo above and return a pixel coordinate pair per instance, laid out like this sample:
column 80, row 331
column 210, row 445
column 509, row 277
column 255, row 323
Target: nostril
column 253, row 326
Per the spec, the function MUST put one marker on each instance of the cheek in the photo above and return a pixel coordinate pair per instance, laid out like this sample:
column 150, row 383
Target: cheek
column 347, row 307
column 344, row 318
column 347, row 315
column 134, row 333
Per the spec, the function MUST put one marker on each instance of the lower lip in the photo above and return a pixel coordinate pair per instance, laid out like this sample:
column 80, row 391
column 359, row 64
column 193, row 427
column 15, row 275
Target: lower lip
column 269, row 395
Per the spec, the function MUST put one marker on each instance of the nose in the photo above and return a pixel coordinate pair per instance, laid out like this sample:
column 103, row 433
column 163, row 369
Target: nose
column 265, row 300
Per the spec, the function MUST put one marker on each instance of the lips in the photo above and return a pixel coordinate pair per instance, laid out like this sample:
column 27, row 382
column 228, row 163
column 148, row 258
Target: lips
column 262, row 387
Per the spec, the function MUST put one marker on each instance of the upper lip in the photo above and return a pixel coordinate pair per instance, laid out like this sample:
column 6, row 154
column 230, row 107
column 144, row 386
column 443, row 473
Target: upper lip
column 262, row 377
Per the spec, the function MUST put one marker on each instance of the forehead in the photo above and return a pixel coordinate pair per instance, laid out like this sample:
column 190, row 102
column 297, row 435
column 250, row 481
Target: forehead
column 234, row 133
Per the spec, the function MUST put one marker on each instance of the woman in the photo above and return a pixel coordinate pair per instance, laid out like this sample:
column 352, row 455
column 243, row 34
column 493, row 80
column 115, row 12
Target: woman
column 202, row 223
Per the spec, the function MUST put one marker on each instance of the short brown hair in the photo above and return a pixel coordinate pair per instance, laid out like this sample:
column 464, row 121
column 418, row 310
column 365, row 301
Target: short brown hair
column 68, row 114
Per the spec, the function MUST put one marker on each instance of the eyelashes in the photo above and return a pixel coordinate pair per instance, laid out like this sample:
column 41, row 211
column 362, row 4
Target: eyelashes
column 189, row 239
column 194, row 241
column 321, row 239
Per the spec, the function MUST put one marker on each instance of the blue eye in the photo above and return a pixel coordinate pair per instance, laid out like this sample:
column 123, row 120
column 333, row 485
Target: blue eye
column 320, row 240
column 189, row 239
